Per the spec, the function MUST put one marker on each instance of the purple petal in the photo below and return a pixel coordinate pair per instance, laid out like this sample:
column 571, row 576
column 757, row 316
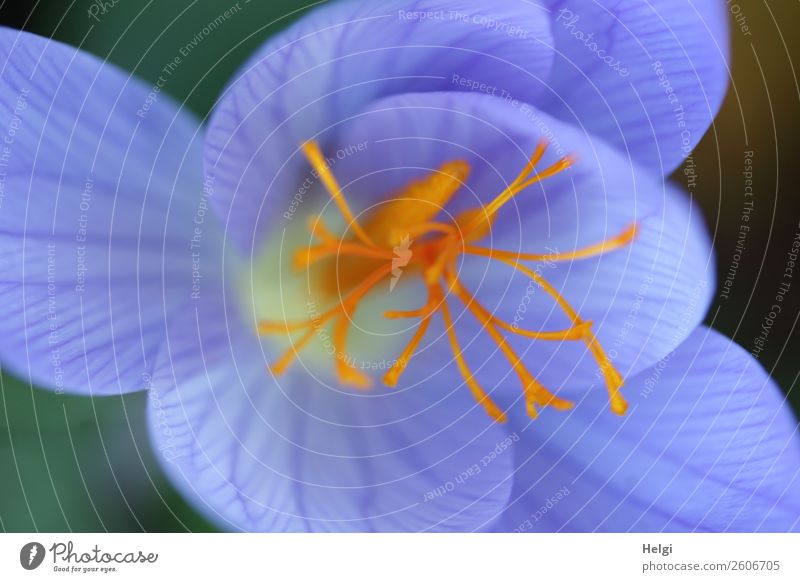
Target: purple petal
column 339, row 58
column 96, row 220
column 648, row 77
column 709, row 444
column 254, row 453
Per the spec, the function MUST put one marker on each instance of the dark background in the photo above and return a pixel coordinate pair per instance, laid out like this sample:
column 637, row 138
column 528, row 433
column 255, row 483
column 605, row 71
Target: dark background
column 81, row 464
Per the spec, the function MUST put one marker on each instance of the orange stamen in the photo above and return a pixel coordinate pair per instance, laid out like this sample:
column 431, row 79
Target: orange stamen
column 576, row 332
column 487, row 216
column 556, row 168
column 435, row 270
column 422, row 229
column 387, row 231
column 422, row 311
column 478, row 393
column 534, row 160
column 613, row 379
column 317, row 161
column 306, row 257
column 535, row 392
column 347, row 374
column 399, row 366
column 280, row 366
column 266, row 327
column 417, row 204
column 621, row 240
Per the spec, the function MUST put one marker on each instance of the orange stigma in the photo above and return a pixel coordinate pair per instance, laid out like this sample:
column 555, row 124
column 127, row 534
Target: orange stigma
column 403, row 238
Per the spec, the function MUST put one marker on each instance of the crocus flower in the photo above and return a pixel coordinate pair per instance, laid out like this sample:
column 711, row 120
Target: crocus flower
column 421, row 271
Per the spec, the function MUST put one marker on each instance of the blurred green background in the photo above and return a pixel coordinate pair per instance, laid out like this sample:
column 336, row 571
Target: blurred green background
column 80, row 464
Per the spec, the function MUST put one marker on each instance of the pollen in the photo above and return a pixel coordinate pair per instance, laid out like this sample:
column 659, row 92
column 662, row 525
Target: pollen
column 404, row 238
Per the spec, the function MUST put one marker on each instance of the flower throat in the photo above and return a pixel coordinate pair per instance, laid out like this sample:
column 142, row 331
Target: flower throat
column 352, row 265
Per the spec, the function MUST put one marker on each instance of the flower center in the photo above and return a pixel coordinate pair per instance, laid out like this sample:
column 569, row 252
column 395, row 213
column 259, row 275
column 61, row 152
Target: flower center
column 350, row 266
